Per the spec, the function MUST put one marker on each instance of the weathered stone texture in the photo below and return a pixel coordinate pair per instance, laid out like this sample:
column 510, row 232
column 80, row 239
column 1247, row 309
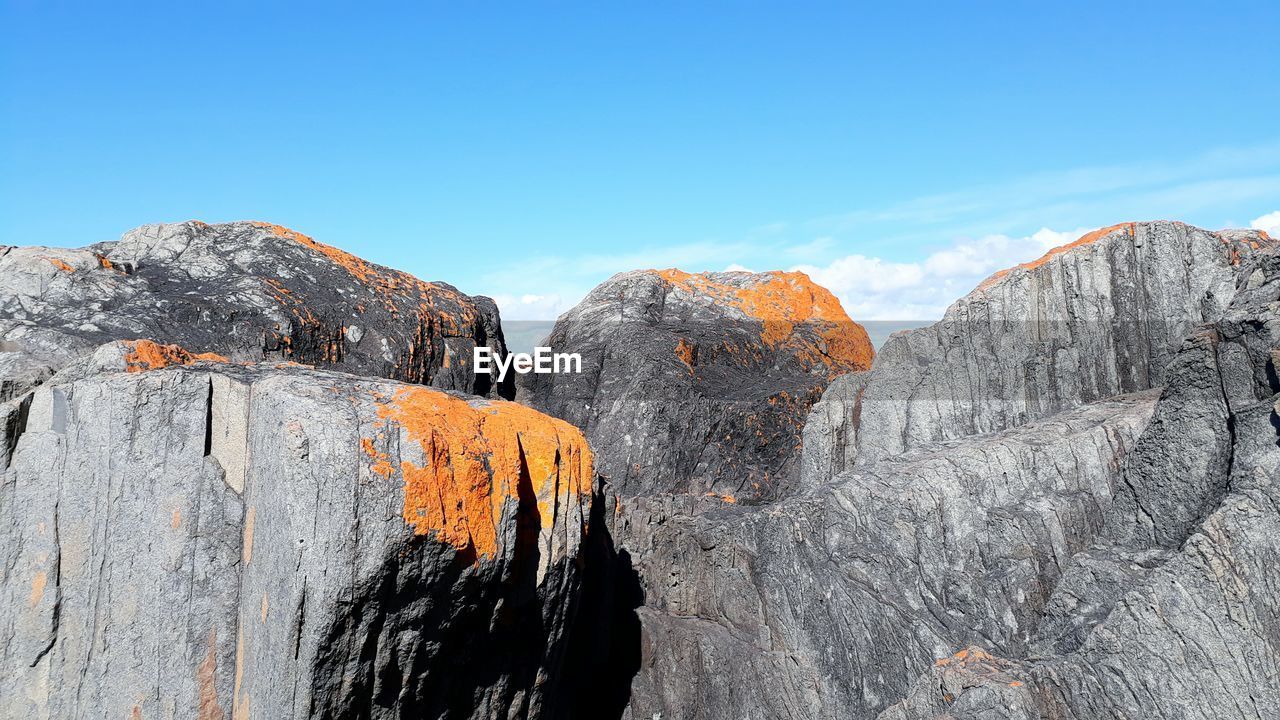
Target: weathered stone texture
column 250, row 291
column 209, row 540
column 699, row 383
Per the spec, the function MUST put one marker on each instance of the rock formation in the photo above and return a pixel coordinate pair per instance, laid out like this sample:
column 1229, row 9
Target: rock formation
column 190, row 537
column 249, row 291
column 1052, row 503
column 197, row 525
column 699, row 383
column 1061, row 501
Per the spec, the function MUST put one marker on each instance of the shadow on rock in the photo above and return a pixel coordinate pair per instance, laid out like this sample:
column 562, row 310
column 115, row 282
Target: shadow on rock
column 604, row 649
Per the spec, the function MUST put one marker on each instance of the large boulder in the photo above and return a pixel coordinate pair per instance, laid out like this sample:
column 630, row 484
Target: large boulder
column 249, row 291
column 699, row 383
column 183, row 536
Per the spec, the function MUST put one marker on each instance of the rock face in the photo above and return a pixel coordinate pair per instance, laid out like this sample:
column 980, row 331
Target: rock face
column 1099, row 317
column 1056, row 502
column 1061, row 501
column 699, row 383
column 249, row 291
column 1173, row 612
column 189, row 537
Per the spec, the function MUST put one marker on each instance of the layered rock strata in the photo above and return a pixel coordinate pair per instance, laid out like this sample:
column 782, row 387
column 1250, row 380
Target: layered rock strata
column 191, row 537
column 1050, row 504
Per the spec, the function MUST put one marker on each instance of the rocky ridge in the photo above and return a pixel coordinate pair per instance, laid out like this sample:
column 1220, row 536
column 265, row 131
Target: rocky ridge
column 1057, row 502
column 980, row 510
column 249, row 291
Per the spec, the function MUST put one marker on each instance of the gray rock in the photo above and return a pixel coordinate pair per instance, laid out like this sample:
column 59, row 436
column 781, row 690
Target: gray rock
column 1054, row 503
column 249, row 291
column 1100, row 318
column 198, row 539
column 843, row 594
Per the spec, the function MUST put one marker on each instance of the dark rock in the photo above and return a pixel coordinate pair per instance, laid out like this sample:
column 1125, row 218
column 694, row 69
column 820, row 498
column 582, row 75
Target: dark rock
column 699, row 383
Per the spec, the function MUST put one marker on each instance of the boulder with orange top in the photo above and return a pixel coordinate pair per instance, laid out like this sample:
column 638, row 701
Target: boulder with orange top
column 183, row 535
column 699, row 383
column 248, row 291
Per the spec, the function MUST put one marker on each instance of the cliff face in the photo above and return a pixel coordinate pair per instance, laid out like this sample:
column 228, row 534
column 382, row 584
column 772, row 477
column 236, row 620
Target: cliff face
column 1053, row 503
column 249, row 291
column 1172, row 612
column 189, row 537
column 699, row 383
column 1100, row 317
column 1058, row 502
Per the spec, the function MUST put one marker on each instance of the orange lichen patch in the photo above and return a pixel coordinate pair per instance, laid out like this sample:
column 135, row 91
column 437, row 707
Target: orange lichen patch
column 1086, row 239
column 381, row 465
column 781, row 301
column 143, row 355
column 60, row 265
column 725, row 498
column 975, row 665
column 684, row 351
column 477, row 456
column 37, row 588
column 206, row 683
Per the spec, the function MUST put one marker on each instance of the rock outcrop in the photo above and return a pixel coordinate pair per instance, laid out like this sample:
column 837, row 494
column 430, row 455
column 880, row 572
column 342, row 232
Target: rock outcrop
column 1173, row 612
column 699, row 383
column 1053, row 503
column 1061, row 501
column 249, row 291
column 186, row 536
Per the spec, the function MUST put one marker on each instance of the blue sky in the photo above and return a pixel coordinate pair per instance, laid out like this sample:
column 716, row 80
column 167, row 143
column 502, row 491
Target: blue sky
column 529, row 151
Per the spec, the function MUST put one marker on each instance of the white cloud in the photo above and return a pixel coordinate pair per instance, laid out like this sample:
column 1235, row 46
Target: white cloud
column 874, row 289
column 911, row 258
column 735, row 267
column 532, row 307
column 1269, row 223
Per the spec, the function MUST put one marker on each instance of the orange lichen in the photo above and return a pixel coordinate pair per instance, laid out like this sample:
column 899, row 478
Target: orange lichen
column 37, row 588
column 684, row 351
column 477, row 455
column 143, row 355
column 206, row 682
column 1086, row 239
column 724, row 498
column 781, row 301
column 60, row 265
column 381, row 465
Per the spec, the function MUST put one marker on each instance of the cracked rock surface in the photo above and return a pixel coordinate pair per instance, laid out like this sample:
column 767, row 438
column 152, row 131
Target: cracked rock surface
column 1054, row 503
column 195, row 538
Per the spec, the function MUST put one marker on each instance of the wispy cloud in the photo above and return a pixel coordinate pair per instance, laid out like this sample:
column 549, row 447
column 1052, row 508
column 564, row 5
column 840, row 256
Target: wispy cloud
column 909, row 260
column 1269, row 223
